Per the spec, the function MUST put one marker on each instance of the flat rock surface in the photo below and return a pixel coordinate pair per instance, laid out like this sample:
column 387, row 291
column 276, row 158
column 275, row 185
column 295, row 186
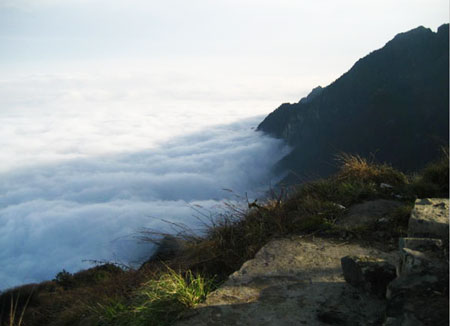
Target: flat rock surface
column 295, row 281
column 429, row 218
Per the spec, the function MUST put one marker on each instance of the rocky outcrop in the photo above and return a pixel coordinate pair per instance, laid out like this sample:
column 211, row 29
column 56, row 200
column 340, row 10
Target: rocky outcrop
column 299, row 281
column 419, row 295
column 295, row 281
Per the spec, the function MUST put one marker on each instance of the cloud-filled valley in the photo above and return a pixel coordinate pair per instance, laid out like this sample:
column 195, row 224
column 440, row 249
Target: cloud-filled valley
column 77, row 185
column 56, row 215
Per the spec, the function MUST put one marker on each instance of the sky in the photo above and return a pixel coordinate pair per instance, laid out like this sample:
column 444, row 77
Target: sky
column 117, row 115
column 315, row 41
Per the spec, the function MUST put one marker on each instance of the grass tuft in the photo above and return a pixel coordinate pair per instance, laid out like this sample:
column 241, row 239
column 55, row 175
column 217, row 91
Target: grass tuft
column 159, row 301
column 354, row 167
column 172, row 293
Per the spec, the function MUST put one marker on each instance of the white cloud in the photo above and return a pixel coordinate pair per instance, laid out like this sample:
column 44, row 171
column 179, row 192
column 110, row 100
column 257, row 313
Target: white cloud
column 53, row 117
column 88, row 159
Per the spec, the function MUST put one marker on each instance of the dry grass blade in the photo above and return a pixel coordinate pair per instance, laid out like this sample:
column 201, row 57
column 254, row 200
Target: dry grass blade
column 357, row 168
column 13, row 310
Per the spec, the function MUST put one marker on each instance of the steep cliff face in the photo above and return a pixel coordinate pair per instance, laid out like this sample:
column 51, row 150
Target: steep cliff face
column 392, row 104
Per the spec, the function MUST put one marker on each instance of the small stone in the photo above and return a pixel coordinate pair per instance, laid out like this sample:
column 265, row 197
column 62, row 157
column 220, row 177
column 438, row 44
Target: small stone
column 385, row 186
column 342, row 207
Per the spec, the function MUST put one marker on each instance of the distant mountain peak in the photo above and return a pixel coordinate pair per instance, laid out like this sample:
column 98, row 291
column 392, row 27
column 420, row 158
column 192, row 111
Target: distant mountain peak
column 393, row 104
column 315, row 92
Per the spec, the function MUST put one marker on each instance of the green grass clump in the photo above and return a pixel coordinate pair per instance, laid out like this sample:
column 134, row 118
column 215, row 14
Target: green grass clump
column 169, row 296
column 157, row 302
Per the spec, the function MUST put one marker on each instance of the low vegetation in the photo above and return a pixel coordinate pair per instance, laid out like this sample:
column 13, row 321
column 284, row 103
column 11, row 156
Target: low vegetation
column 433, row 180
column 172, row 282
column 158, row 301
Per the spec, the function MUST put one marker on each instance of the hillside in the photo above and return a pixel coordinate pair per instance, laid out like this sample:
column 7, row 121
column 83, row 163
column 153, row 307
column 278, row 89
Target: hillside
column 392, row 104
column 362, row 210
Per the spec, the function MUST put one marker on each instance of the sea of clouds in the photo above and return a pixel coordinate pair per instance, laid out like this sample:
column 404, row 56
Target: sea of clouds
column 88, row 161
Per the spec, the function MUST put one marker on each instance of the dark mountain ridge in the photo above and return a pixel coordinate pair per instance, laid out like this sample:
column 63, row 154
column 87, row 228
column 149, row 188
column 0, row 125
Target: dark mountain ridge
column 392, row 104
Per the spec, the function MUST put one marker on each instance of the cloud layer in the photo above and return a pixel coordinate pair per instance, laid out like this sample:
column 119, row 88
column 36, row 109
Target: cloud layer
column 54, row 216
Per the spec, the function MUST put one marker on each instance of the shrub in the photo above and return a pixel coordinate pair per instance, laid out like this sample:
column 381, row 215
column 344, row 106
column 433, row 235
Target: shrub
column 64, row 279
column 434, row 179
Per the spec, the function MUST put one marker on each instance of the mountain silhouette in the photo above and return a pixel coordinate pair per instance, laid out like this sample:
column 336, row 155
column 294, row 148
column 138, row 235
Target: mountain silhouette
column 392, row 105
